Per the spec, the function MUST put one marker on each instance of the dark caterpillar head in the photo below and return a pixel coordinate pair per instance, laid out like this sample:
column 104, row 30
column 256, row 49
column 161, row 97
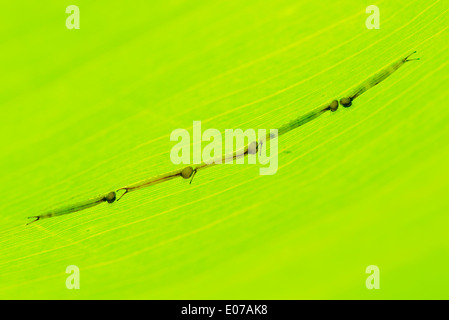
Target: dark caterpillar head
column 333, row 106
column 186, row 173
column 252, row 148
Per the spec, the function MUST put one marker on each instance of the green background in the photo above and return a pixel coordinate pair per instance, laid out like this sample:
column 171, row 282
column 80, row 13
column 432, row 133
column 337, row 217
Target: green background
column 87, row 111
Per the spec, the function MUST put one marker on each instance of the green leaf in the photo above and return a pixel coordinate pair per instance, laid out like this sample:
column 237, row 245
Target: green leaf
column 87, row 111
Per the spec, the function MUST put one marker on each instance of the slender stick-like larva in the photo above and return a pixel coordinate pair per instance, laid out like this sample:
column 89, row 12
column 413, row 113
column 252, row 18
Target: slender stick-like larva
column 375, row 80
column 252, row 148
column 186, row 173
column 189, row 171
column 307, row 117
column 110, row 197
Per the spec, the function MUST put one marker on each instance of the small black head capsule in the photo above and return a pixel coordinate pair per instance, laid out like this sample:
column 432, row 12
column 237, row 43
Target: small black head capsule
column 110, row 197
column 186, row 173
column 252, row 148
column 346, row 102
column 333, row 106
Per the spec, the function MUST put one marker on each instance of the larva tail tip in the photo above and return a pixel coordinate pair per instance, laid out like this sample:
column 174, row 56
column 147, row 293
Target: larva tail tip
column 36, row 218
column 406, row 59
